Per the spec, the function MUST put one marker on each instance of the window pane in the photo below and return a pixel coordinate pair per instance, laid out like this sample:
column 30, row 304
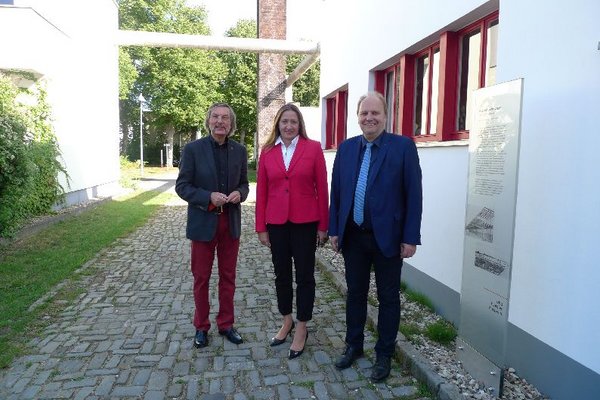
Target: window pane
column 422, row 90
column 491, row 53
column 389, row 98
column 469, row 75
column 434, row 92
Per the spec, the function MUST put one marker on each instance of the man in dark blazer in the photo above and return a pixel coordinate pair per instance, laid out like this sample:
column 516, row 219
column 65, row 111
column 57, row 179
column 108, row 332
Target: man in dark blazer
column 378, row 228
column 213, row 180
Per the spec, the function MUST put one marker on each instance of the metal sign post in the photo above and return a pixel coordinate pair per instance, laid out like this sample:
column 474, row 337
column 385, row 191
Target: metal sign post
column 489, row 231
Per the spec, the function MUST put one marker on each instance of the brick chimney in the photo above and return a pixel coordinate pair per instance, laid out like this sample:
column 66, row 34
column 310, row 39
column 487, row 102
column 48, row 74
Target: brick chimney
column 271, row 67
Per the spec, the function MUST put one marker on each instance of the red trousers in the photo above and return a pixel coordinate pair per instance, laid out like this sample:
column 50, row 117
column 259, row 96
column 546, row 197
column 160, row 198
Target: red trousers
column 203, row 255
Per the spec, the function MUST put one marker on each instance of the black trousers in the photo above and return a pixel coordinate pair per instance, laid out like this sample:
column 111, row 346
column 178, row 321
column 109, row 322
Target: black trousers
column 361, row 253
column 297, row 243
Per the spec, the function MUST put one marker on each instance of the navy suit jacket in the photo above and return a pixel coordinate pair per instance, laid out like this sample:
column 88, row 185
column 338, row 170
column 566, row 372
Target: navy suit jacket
column 394, row 191
column 198, row 179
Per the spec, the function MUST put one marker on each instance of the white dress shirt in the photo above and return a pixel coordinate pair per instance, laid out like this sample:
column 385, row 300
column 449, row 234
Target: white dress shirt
column 288, row 151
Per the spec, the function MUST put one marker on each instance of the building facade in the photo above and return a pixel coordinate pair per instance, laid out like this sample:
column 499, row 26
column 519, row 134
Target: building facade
column 70, row 46
column 427, row 58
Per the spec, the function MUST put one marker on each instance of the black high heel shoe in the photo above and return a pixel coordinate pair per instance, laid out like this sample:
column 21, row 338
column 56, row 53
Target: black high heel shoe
column 293, row 353
column 277, row 342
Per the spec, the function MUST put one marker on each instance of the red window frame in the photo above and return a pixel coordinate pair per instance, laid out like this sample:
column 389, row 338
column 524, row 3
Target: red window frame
column 482, row 25
column 335, row 118
column 446, row 123
column 381, row 85
column 426, row 134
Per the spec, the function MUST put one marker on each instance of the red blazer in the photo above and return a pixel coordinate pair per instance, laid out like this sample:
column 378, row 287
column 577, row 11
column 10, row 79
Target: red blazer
column 298, row 195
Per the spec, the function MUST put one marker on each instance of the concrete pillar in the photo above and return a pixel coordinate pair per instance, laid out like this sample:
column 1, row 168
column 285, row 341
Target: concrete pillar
column 271, row 67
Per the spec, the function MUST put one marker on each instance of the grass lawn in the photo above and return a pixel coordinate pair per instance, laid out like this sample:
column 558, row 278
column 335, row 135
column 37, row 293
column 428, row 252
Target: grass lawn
column 30, row 268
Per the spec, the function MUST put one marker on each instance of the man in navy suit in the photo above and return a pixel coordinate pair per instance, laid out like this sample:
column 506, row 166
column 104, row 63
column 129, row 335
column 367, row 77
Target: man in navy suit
column 213, row 180
column 375, row 221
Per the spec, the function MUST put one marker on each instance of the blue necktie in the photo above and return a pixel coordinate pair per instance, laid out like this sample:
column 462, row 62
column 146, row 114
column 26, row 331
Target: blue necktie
column 361, row 186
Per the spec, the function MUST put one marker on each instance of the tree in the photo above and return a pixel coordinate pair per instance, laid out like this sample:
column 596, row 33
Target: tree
column 239, row 85
column 179, row 84
column 305, row 89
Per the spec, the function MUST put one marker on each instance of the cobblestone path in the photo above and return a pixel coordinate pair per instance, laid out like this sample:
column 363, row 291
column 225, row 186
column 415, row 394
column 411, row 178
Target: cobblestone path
column 130, row 334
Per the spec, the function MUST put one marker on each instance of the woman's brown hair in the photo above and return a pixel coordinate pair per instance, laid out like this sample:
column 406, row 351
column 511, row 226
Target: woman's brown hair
column 270, row 142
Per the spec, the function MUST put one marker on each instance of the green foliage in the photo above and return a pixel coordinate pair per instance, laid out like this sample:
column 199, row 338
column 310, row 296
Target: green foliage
column 423, row 391
column 305, row 89
column 29, row 155
column 419, row 298
column 127, row 74
column 127, row 176
column 442, row 332
column 239, row 85
column 179, row 84
column 409, row 330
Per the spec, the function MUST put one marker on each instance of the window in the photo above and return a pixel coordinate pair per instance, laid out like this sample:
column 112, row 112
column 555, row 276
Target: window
column 477, row 64
column 335, row 118
column 426, row 92
column 429, row 92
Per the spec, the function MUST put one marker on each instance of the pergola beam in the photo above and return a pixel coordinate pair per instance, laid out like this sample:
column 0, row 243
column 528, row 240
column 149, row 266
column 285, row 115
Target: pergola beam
column 179, row 40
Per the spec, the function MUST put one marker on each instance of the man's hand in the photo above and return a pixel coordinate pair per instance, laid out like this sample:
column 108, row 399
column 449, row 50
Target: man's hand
column 218, row 199
column 234, row 197
column 407, row 250
column 334, row 243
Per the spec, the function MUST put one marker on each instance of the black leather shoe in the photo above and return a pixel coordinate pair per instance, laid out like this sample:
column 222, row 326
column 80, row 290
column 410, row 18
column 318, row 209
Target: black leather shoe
column 232, row 335
column 293, row 353
column 381, row 369
column 201, row 339
column 277, row 342
column 349, row 356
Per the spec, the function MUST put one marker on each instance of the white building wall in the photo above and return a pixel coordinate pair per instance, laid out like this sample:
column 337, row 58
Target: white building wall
column 555, row 280
column 70, row 44
column 554, row 47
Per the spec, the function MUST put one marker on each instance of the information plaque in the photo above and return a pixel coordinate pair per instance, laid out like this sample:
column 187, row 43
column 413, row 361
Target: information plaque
column 489, row 231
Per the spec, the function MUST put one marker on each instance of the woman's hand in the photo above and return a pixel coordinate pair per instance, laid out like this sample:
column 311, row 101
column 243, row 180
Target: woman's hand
column 263, row 238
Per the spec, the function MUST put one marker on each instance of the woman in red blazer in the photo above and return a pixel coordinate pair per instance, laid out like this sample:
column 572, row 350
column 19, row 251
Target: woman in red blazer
column 291, row 217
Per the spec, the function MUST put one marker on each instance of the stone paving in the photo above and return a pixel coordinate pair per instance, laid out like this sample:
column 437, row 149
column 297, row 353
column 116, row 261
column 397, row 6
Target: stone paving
column 130, row 334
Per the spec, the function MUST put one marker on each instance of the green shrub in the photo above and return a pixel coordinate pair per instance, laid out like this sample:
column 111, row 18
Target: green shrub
column 29, row 157
column 419, row 298
column 409, row 330
column 442, row 332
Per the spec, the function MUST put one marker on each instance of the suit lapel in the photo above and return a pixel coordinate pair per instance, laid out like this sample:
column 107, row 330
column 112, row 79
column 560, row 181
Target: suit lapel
column 300, row 147
column 381, row 154
column 208, row 158
column 231, row 162
column 354, row 164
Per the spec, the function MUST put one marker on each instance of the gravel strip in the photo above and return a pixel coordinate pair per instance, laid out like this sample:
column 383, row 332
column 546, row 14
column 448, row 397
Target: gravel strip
column 442, row 358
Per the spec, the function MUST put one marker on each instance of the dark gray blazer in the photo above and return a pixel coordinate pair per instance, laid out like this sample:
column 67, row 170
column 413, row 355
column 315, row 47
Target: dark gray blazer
column 198, row 179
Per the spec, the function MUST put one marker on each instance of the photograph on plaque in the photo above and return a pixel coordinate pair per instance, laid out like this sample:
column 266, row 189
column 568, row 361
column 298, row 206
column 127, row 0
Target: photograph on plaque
column 489, row 263
column 482, row 226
